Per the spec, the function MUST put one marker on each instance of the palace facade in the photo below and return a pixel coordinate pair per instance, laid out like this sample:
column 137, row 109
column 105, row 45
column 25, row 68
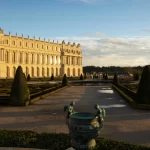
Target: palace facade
column 38, row 58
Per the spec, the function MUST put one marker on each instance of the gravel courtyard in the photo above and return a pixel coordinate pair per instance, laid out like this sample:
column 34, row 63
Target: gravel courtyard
column 47, row 115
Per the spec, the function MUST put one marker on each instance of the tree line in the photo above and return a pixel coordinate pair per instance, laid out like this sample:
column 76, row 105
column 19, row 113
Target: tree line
column 112, row 69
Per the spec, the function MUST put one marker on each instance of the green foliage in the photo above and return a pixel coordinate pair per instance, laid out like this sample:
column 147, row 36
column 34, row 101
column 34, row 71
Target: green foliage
column 130, row 100
column 20, row 93
column 116, row 79
column 28, row 77
column 53, row 141
column 105, row 76
column 52, row 77
column 136, row 76
column 85, row 76
column 143, row 92
column 64, row 80
column 24, row 76
column 81, row 77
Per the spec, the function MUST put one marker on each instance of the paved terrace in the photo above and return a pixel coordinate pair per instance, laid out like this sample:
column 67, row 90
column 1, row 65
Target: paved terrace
column 47, row 115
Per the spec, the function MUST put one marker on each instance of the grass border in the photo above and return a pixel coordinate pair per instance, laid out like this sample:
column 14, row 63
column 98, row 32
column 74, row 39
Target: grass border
column 132, row 103
column 45, row 95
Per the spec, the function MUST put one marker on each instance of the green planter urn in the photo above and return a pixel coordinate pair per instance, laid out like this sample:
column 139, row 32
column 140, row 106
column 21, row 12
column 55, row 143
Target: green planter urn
column 84, row 127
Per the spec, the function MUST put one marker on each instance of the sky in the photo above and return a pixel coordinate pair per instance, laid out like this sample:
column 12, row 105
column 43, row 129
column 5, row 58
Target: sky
column 110, row 32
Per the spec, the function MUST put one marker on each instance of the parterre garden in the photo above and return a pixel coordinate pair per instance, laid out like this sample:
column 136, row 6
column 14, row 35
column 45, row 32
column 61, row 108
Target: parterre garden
column 9, row 90
column 138, row 95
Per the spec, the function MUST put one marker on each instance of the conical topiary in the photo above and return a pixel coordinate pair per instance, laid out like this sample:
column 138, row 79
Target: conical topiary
column 20, row 94
column 52, row 77
column 28, row 77
column 81, row 77
column 116, row 79
column 24, row 76
column 136, row 76
column 65, row 80
column 143, row 92
column 106, row 76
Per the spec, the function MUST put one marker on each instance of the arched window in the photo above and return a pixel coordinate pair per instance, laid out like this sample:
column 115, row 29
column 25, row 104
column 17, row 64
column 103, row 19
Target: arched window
column 32, row 72
column 6, row 56
column 20, row 58
column 48, row 72
column 13, row 57
column 8, row 72
column 56, row 71
column 32, row 58
column 38, row 72
column 43, row 59
column 68, row 72
column 6, row 41
column 74, row 72
column 26, row 58
column 14, row 71
column 52, row 71
column 27, row 71
column 43, row 72
column 38, row 59
column 79, row 72
column 13, row 42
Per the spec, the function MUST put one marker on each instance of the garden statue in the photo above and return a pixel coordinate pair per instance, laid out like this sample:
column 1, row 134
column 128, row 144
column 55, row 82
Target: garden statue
column 69, row 109
column 84, row 127
column 100, row 114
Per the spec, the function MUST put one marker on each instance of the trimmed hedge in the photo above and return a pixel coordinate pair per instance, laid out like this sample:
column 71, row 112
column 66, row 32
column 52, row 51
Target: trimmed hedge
column 53, row 141
column 130, row 100
column 127, row 91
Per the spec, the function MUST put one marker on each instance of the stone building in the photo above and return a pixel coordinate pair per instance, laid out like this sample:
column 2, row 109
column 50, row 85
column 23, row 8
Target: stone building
column 38, row 58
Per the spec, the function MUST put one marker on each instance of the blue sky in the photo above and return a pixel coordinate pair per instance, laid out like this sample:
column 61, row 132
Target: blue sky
column 111, row 32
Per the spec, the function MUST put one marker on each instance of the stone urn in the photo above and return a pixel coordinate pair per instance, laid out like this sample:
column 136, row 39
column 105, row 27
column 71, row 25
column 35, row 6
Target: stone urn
column 84, row 127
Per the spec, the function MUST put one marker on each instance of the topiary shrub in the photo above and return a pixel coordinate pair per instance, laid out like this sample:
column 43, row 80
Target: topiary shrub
column 52, row 77
column 85, row 76
column 20, row 94
column 106, row 76
column 116, row 79
column 28, row 77
column 65, row 80
column 136, row 76
column 81, row 77
column 24, row 76
column 143, row 92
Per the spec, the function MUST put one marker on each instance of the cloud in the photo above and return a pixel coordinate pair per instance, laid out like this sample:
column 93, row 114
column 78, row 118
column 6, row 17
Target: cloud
column 147, row 29
column 121, row 51
column 93, row 34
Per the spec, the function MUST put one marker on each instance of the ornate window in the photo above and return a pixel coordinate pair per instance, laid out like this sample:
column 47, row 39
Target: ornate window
column 13, row 57
column 6, row 56
column 13, row 42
